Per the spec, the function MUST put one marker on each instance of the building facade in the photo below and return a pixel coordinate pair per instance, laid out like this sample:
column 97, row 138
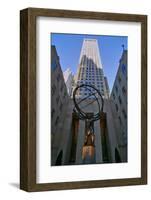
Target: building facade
column 68, row 78
column 107, row 87
column 119, row 104
column 59, row 102
column 90, row 70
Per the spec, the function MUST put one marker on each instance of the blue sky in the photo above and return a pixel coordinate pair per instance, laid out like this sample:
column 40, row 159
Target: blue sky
column 69, row 46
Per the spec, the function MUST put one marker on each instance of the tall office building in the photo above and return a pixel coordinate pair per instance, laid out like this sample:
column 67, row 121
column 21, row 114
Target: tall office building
column 107, row 86
column 90, row 70
column 68, row 78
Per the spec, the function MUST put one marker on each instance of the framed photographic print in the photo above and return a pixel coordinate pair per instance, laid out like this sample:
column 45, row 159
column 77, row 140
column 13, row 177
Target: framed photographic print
column 83, row 99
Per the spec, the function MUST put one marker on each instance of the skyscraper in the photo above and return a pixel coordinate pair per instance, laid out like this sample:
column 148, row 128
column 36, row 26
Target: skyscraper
column 90, row 70
column 107, row 86
column 68, row 78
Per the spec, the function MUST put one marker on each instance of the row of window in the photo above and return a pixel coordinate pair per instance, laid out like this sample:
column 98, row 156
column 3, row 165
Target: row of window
column 54, row 64
column 53, row 113
column 58, row 77
column 57, row 120
column 86, row 89
column 86, row 69
column 92, row 74
column 92, row 69
column 123, row 111
column 101, row 87
column 58, row 101
column 124, row 91
column 91, row 78
column 89, row 75
column 89, row 82
column 53, row 89
column 82, row 93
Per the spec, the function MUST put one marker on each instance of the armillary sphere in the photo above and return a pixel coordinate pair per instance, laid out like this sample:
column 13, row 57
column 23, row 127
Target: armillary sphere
column 90, row 105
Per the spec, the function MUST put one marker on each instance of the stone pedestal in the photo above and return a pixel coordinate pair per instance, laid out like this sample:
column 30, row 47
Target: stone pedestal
column 80, row 142
column 98, row 145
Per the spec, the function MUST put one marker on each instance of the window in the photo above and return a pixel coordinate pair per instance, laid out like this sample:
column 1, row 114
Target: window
column 53, row 89
column 124, row 114
column 120, row 121
column 113, row 96
column 61, row 87
column 124, row 90
column 124, row 69
column 61, row 106
column 116, row 88
column 116, row 106
column 57, row 99
column 57, row 120
column 58, row 77
column 119, row 79
column 52, row 112
column 120, row 100
column 53, row 64
column 65, row 93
